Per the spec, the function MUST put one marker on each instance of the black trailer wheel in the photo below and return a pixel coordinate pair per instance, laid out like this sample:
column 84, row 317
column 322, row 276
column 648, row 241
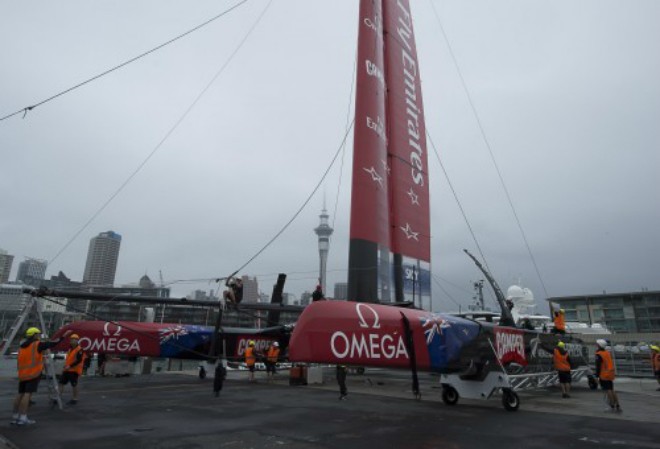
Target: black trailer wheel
column 510, row 400
column 449, row 395
column 360, row 370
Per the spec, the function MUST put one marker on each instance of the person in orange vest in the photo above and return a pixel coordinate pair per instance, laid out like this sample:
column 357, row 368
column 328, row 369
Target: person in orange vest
column 606, row 374
column 30, row 366
column 272, row 356
column 73, row 367
column 562, row 364
column 250, row 359
column 655, row 362
column 560, row 322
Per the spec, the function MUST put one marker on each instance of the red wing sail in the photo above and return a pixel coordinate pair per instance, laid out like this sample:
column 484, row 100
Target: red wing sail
column 389, row 255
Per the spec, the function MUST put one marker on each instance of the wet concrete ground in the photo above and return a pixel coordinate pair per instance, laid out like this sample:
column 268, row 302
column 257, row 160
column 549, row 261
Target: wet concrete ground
column 179, row 411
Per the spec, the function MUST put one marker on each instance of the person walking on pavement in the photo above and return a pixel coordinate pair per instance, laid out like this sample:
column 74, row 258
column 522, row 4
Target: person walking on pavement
column 30, row 366
column 605, row 373
column 219, row 378
column 562, row 364
column 655, row 362
column 271, row 360
column 250, row 360
column 342, row 370
column 73, row 367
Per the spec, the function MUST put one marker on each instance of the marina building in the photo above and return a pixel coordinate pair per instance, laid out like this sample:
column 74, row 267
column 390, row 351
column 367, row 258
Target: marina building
column 635, row 312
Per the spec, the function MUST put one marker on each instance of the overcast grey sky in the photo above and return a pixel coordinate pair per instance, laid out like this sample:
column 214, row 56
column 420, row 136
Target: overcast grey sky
column 567, row 94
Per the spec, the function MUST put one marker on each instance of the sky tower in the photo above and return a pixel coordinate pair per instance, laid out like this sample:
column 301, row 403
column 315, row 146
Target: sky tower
column 324, row 231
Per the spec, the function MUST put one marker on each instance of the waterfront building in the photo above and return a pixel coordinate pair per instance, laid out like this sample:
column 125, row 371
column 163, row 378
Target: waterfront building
column 341, row 290
column 635, row 312
column 102, row 257
column 31, row 271
column 6, row 261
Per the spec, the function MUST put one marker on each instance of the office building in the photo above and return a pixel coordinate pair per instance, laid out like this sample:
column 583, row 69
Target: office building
column 31, row 271
column 102, row 259
column 6, row 260
column 341, row 290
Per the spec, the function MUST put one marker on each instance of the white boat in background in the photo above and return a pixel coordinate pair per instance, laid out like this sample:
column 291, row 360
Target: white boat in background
column 523, row 305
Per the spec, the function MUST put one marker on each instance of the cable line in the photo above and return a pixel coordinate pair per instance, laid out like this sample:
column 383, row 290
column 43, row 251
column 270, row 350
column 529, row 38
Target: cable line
column 490, row 150
column 304, row 204
column 26, row 109
column 167, row 135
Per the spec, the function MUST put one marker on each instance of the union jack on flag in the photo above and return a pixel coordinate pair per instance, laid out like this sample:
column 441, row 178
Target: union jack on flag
column 433, row 325
column 170, row 333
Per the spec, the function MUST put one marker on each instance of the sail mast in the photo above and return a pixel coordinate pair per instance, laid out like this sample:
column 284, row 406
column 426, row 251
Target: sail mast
column 389, row 253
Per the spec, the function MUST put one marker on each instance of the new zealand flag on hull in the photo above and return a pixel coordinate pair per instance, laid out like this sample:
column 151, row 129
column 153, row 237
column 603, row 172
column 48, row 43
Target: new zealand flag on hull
column 446, row 336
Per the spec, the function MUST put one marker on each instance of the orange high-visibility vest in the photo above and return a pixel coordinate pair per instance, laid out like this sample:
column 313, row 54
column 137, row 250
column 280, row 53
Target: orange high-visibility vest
column 30, row 362
column 606, row 365
column 249, row 356
column 656, row 361
column 560, row 322
column 71, row 358
column 561, row 361
column 273, row 354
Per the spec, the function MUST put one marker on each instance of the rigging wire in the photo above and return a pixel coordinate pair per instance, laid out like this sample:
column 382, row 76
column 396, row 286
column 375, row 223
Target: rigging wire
column 304, row 204
column 343, row 150
column 433, row 276
column 26, row 109
column 460, row 206
column 490, row 150
column 167, row 135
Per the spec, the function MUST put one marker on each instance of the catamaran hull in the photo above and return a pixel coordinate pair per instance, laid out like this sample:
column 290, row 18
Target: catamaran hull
column 374, row 335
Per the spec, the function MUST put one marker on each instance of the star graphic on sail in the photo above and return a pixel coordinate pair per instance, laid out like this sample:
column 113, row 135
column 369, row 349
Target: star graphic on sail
column 413, row 196
column 374, row 175
column 386, row 167
column 410, row 234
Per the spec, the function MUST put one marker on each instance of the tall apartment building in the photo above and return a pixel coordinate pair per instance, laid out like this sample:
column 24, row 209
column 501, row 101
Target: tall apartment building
column 6, row 260
column 102, row 259
column 341, row 290
column 31, row 271
column 250, row 290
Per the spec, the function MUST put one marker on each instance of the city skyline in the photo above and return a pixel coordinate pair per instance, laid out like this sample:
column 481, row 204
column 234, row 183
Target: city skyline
column 532, row 104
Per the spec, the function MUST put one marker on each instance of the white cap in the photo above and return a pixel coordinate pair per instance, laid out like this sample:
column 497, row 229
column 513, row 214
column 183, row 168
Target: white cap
column 275, row 344
column 602, row 343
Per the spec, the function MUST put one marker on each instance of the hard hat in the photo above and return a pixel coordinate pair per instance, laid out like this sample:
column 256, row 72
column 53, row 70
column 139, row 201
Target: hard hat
column 251, row 343
column 561, row 310
column 602, row 343
column 655, row 348
column 74, row 337
column 276, row 344
column 32, row 332
column 561, row 344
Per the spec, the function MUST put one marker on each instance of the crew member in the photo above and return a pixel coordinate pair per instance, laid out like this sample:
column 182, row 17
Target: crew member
column 606, row 375
column 271, row 359
column 234, row 294
column 30, row 366
column 655, row 362
column 560, row 322
column 342, row 370
column 317, row 294
column 250, row 360
column 73, row 367
column 219, row 378
column 562, row 364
